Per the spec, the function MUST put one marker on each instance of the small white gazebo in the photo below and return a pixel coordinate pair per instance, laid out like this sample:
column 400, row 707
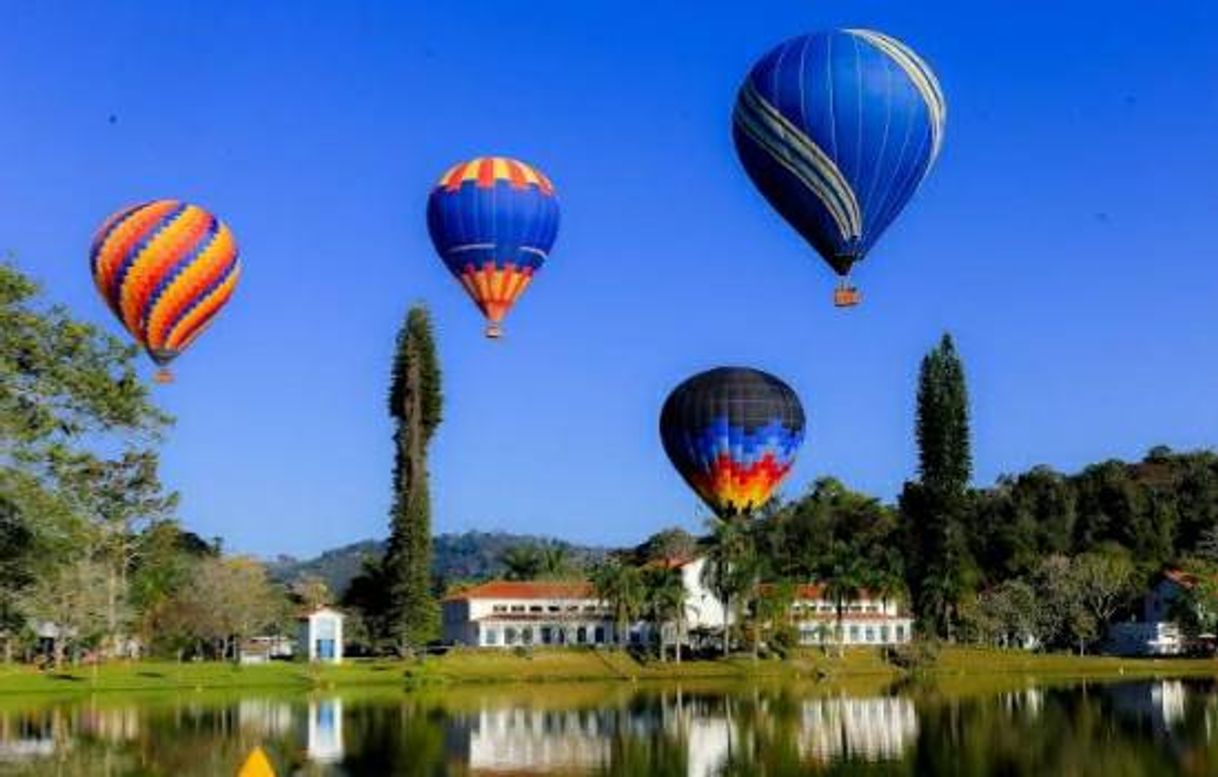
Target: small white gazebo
column 321, row 635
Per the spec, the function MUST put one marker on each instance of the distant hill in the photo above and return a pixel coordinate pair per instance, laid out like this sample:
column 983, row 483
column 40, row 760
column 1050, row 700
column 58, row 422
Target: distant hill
column 455, row 557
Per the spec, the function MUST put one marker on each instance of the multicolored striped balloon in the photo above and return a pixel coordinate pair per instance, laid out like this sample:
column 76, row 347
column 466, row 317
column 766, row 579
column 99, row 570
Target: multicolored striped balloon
column 838, row 129
column 493, row 221
column 165, row 268
column 732, row 433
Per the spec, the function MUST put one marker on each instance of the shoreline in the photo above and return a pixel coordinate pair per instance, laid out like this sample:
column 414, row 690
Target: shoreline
column 956, row 668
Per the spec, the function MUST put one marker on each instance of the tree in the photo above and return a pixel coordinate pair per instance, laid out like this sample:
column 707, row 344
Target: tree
column 730, row 571
column 114, row 497
column 415, row 404
column 229, row 600
column 843, row 577
column 164, row 566
column 1196, row 608
column 1105, row 582
column 664, row 602
column 66, row 389
column 522, row 562
column 941, row 570
column 366, row 596
column 310, row 592
column 672, row 544
column 620, row 587
column 70, row 600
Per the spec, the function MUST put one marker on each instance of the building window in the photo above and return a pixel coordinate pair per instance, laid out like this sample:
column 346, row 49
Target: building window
column 870, row 634
column 526, row 635
column 499, row 608
column 492, row 636
column 517, row 608
column 535, row 608
column 854, row 633
column 509, row 635
column 581, row 635
column 547, row 635
column 554, row 608
column 900, row 633
column 826, row 608
column 883, row 634
column 589, row 608
column 599, row 635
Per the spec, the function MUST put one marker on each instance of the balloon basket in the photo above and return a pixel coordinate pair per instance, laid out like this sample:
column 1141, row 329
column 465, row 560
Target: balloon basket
column 162, row 377
column 846, row 296
column 494, row 331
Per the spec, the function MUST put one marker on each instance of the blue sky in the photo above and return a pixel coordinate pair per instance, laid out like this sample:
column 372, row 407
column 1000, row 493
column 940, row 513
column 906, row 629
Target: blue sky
column 1066, row 239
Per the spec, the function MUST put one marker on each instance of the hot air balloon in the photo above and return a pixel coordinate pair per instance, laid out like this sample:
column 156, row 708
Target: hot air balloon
column 732, row 434
column 837, row 129
column 493, row 221
column 165, row 268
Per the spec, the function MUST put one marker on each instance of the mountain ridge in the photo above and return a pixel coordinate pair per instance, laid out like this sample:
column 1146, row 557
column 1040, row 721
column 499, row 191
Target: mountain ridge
column 455, row 556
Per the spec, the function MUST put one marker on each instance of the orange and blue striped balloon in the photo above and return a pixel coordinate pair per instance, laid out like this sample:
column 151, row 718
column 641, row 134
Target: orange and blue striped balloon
column 493, row 221
column 165, row 268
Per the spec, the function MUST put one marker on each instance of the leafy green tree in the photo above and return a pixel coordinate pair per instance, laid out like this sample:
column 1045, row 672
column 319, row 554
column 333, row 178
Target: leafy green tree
column 522, row 562
column 367, row 598
column 415, row 404
column 664, row 602
column 731, row 571
column 1196, row 608
column 69, row 393
column 672, row 544
column 1105, row 580
column 164, row 565
column 115, row 498
column 620, row 587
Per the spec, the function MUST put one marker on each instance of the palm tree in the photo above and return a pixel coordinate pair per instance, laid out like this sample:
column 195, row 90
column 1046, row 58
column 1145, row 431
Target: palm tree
column 844, row 578
column 665, row 601
column 523, row 562
column 620, row 586
column 555, row 563
column 731, row 569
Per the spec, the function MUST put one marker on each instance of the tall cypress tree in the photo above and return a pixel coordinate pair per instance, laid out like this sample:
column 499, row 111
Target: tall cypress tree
column 415, row 404
column 940, row 568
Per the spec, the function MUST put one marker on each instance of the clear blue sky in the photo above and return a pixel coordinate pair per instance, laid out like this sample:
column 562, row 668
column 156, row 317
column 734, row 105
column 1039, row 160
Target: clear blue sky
column 1066, row 239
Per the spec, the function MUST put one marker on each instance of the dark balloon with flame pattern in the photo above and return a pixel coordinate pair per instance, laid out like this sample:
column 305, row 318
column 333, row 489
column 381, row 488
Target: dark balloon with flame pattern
column 732, row 433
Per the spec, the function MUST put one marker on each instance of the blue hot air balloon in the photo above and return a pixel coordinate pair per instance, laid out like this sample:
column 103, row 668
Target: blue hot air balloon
column 493, row 220
column 837, row 129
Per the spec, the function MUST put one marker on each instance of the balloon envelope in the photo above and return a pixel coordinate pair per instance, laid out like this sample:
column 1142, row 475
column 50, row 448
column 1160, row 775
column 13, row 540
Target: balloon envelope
column 837, row 129
column 732, row 434
column 493, row 221
column 165, row 268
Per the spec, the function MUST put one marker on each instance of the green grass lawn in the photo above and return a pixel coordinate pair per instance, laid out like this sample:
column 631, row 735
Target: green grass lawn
column 964, row 668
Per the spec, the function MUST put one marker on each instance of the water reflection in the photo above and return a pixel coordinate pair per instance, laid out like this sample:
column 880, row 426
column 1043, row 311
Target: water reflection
column 1161, row 727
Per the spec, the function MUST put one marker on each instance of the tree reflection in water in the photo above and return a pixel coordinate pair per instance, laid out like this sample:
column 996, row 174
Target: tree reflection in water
column 1155, row 728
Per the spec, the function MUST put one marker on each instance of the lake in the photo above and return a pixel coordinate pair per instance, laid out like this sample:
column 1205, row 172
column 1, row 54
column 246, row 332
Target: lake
column 1137, row 728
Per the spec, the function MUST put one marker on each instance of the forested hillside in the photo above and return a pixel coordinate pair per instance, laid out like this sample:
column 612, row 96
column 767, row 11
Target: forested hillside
column 466, row 556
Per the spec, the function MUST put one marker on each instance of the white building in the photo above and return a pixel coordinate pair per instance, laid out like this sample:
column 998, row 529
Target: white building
column 508, row 613
column 866, row 619
column 505, row 613
column 320, row 636
column 1154, row 633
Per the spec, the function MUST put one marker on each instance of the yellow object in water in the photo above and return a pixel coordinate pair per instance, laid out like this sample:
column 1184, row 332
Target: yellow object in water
column 256, row 765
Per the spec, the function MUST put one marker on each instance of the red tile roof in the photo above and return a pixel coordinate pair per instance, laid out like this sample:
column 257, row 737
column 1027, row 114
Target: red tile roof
column 817, row 591
column 1180, row 577
column 527, row 589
